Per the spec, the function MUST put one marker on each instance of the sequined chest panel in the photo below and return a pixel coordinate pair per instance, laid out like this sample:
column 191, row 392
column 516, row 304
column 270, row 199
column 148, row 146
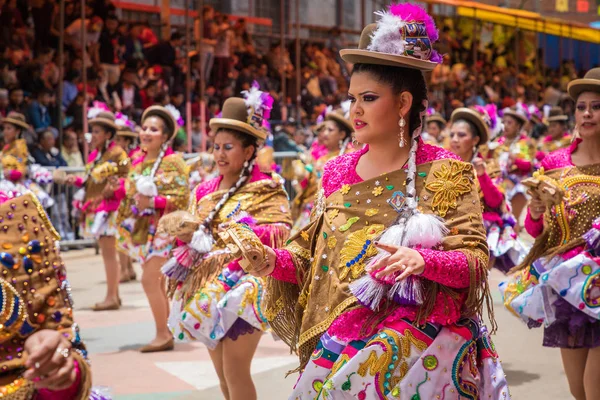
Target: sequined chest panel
column 574, row 215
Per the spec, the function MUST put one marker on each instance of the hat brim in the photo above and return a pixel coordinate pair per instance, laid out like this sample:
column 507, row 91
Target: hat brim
column 516, row 115
column 127, row 134
column 104, row 122
column 558, row 118
column 158, row 111
column 474, row 117
column 436, row 118
column 338, row 118
column 16, row 122
column 359, row 56
column 229, row 123
column 578, row 86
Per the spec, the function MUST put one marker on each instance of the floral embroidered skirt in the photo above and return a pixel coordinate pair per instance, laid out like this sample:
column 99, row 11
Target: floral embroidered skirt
column 155, row 246
column 402, row 361
column 563, row 294
column 96, row 225
column 227, row 307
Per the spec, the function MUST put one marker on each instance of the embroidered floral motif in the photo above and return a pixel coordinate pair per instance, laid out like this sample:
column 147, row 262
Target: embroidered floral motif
column 304, row 235
column 358, row 247
column 450, row 183
column 331, row 242
column 345, row 189
column 371, row 212
column 377, row 191
column 333, row 213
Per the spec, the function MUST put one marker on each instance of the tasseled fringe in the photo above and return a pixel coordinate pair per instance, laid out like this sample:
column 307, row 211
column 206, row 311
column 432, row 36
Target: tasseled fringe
column 370, row 292
column 178, row 267
column 592, row 237
column 479, row 295
column 145, row 185
column 202, row 240
column 408, row 292
column 207, row 268
column 425, row 230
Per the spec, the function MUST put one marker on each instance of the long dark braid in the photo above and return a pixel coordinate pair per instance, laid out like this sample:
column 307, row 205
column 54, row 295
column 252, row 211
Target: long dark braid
column 246, row 140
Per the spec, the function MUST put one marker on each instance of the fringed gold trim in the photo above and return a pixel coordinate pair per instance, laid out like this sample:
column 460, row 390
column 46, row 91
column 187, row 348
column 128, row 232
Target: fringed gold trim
column 205, row 271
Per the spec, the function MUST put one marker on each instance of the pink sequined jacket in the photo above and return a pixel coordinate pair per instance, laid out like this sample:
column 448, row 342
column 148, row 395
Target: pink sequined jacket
column 449, row 268
column 557, row 159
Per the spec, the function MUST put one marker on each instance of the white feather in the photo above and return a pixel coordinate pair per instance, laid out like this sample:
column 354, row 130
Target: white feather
column 174, row 112
column 387, row 37
column 426, row 230
column 145, row 185
column 202, row 241
column 252, row 97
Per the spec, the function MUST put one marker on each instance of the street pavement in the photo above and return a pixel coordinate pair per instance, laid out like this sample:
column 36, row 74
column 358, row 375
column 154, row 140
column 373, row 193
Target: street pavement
column 113, row 337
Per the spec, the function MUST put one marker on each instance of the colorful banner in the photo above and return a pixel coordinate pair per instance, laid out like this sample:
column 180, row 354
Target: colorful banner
column 562, row 5
column 583, row 6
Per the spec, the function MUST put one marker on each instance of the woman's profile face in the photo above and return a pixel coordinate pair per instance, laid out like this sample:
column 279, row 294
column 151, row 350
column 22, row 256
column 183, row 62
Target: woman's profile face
column 332, row 136
column 511, row 126
column 375, row 110
column 462, row 140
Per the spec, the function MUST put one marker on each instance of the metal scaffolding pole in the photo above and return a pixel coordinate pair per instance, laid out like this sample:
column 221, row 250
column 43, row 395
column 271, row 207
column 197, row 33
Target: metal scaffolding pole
column 86, row 149
column 298, row 69
column 282, row 51
column 202, row 79
column 188, row 79
column 61, row 70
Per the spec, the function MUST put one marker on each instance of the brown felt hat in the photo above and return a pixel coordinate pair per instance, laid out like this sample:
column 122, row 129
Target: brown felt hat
column 476, row 119
column 164, row 114
column 436, row 117
column 557, row 115
column 235, row 116
column 338, row 116
column 16, row 119
column 522, row 118
column 104, row 118
column 589, row 83
column 126, row 132
column 409, row 58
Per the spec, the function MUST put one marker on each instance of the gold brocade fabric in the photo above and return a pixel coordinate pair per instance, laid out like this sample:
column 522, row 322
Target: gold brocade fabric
column 568, row 221
column 14, row 156
column 35, row 293
column 171, row 180
column 334, row 249
column 113, row 162
column 265, row 201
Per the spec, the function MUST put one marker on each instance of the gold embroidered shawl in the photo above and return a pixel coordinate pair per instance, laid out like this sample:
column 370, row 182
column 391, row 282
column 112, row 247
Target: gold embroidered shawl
column 339, row 231
column 171, row 180
column 113, row 162
column 265, row 201
column 565, row 224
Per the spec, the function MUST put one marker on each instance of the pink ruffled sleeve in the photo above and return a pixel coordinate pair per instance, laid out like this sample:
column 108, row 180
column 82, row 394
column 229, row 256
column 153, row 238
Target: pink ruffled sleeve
column 532, row 226
column 15, row 175
column 120, row 192
column 285, row 270
column 65, row 394
column 450, row 268
column 491, row 194
column 160, row 202
column 523, row 165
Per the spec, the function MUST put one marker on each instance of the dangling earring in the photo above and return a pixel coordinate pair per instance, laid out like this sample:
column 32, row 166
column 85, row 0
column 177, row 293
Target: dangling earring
column 401, row 140
column 246, row 164
column 340, row 144
column 355, row 143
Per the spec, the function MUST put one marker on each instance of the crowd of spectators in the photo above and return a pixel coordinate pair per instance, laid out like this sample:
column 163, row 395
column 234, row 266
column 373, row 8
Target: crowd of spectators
column 128, row 68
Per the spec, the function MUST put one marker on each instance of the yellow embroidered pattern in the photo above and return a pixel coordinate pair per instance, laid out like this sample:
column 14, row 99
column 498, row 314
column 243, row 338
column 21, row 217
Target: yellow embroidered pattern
column 450, row 183
column 345, row 189
column 357, row 248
